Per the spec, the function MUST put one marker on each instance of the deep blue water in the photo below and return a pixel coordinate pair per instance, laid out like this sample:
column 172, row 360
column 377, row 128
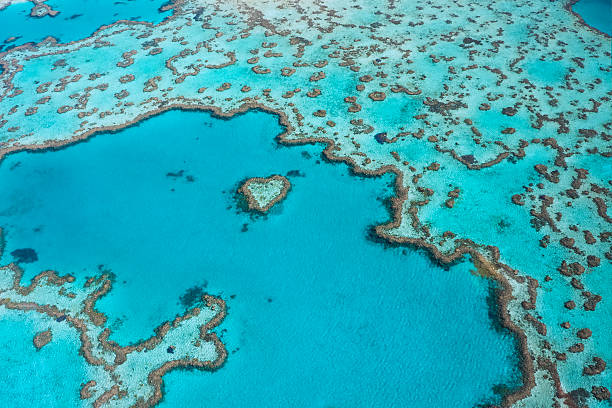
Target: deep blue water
column 596, row 13
column 77, row 19
column 319, row 315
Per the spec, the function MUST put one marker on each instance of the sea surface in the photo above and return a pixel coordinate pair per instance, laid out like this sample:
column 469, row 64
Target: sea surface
column 49, row 377
column 319, row 314
column 596, row 13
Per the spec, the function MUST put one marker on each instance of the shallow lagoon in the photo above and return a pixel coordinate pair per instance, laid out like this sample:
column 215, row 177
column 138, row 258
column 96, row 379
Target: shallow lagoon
column 76, row 20
column 29, row 377
column 319, row 315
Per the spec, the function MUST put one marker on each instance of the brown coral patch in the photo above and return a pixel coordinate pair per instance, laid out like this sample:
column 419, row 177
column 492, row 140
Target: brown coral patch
column 377, row 96
column 43, row 338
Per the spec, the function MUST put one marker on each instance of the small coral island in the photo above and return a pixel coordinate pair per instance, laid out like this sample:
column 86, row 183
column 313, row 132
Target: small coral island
column 261, row 194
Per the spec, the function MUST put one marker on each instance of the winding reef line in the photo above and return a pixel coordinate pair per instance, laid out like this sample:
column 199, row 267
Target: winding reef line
column 82, row 326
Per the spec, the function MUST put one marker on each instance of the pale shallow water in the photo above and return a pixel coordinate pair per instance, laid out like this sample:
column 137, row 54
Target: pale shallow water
column 50, row 377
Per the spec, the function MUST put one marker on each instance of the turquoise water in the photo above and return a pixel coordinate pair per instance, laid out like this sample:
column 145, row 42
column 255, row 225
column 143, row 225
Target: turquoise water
column 318, row 314
column 596, row 13
column 77, row 19
column 32, row 378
